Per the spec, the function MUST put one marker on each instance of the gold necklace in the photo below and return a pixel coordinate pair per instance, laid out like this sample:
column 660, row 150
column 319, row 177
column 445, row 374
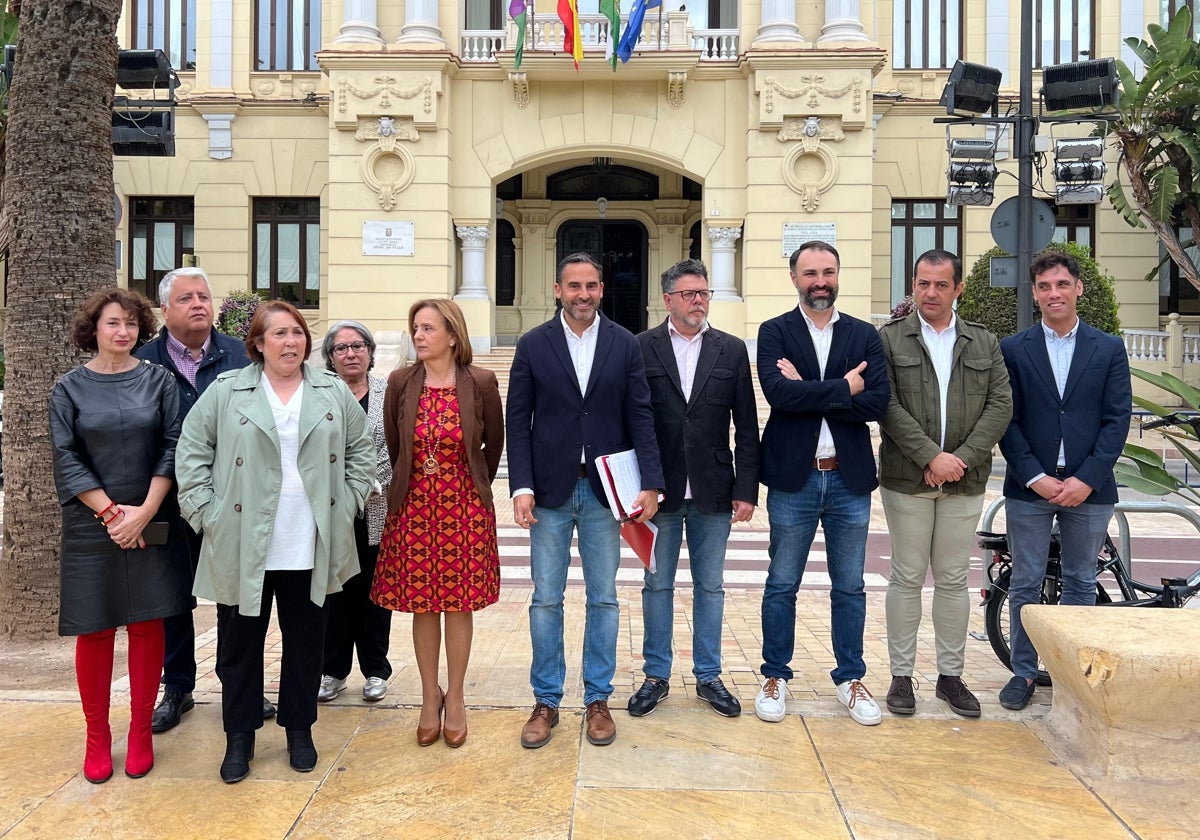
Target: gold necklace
column 436, row 421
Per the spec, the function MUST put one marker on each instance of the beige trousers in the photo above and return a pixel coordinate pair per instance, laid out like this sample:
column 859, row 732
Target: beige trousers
column 930, row 531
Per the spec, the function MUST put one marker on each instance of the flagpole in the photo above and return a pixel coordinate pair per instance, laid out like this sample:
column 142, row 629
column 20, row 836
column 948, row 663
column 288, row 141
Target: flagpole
column 533, row 29
column 660, row 41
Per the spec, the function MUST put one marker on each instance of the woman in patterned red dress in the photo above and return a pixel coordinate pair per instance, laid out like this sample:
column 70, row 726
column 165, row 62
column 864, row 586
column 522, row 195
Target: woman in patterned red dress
column 445, row 430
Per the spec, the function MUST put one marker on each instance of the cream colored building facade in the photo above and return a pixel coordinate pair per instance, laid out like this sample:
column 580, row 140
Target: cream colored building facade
column 357, row 155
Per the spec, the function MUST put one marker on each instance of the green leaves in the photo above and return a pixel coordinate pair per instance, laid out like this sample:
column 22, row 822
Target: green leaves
column 1146, row 471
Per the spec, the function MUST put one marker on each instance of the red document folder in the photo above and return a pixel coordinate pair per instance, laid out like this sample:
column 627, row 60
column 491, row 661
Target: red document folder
column 621, row 478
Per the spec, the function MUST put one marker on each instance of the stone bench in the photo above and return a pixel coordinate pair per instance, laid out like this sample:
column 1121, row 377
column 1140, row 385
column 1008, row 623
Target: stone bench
column 1126, row 687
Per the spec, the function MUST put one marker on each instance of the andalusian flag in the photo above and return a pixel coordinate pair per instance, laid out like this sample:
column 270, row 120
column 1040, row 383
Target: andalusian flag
column 516, row 10
column 633, row 29
column 611, row 9
column 568, row 13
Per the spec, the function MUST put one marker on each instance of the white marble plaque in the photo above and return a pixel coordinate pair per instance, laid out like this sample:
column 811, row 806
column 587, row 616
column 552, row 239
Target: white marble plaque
column 389, row 239
column 796, row 234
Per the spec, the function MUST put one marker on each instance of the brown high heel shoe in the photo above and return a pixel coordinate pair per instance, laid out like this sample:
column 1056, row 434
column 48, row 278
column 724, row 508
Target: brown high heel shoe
column 428, row 737
column 454, row 738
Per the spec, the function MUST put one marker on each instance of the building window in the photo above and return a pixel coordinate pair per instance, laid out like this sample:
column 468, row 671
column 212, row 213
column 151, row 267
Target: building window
column 167, row 25
column 1064, row 31
column 917, row 226
column 1075, row 223
column 506, row 263
column 289, row 34
column 487, row 14
column 161, row 238
column 1176, row 294
column 287, row 250
column 1169, row 8
column 696, row 248
column 926, row 34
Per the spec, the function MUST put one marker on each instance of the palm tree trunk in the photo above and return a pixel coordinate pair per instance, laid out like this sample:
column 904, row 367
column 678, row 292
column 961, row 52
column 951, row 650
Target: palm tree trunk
column 58, row 202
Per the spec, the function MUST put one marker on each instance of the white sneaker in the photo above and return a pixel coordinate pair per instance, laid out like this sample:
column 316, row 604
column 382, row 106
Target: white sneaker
column 331, row 687
column 855, row 697
column 770, row 703
column 375, row 689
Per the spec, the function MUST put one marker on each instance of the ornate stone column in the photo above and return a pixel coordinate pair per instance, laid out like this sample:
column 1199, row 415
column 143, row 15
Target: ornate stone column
column 421, row 23
column 842, row 22
column 778, row 22
column 360, row 23
column 722, row 241
column 474, row 261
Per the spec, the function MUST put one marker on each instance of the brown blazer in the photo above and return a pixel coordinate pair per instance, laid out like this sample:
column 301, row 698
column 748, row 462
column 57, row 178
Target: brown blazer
column 482, row 423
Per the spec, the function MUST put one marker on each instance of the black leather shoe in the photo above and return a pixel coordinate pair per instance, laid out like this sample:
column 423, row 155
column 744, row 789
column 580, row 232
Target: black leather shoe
column 646, row 699
column 170, row 709
column 955, row 692
column 239, row 750
column 717, row 695
column 302, row 753
column 268, row 709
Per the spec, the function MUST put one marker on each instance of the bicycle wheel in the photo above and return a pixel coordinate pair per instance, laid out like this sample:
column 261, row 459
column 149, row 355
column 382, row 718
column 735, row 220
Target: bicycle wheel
column 996, row 621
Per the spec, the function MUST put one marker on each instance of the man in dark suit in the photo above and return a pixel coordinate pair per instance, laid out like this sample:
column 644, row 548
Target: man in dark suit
column 699, row 380
column 825, row 376
column 1071, row 407
column 195, row 353
column 577, row 391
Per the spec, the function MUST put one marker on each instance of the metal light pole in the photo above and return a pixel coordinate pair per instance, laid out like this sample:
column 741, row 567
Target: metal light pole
column 1026, row 129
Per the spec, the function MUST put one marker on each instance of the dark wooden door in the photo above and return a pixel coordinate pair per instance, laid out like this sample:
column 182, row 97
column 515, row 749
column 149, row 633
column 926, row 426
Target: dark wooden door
column 620, row 247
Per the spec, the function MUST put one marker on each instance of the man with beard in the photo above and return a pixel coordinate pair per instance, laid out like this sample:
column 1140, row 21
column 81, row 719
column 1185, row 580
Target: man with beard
column 699, row 381
column 825, row 376
column 577, row 391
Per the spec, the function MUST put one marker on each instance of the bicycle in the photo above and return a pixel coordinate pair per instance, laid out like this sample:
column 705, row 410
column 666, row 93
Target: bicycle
column 1173, row 593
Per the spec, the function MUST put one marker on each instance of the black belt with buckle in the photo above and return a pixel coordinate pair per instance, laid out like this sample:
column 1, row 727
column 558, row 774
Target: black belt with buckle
column 583, row 470
column 1061, row 472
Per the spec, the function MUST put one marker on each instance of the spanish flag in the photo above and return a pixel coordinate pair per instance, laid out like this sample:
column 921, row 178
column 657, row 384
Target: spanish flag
column 568, row 13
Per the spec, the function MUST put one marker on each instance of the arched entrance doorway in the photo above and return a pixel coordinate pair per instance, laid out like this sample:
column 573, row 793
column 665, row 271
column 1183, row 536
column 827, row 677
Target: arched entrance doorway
column 620, row 247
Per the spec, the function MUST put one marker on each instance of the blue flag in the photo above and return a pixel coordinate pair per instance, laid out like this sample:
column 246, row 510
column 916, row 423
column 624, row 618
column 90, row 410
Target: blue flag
column 633, row 29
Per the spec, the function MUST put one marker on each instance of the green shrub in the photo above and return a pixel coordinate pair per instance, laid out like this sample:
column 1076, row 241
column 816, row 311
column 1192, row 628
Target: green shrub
column 996, row 309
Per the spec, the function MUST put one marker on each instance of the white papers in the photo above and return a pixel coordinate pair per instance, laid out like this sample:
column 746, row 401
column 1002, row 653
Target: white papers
column 622, row 482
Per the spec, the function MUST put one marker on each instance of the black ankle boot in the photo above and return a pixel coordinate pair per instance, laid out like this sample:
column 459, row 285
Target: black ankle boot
column 302, row 753
column 239, row 750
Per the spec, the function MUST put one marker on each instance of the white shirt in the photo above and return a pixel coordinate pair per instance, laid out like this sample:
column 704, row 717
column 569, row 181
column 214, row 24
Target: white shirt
column 583, row 352
column 294, row 536
column 687, row 356
column 1061, row 350
column 941, row 352
column 822, row 339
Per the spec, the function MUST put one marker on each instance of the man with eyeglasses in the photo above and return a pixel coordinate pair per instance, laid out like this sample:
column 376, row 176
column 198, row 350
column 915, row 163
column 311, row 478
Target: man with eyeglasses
column 195, row 353
column 699, row 380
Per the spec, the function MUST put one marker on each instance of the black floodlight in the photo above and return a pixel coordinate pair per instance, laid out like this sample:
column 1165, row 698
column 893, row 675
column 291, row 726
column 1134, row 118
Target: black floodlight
column 143, row 122
column 1079, row 170
column 971, row 88
column 1081, row 85
column 10, row 55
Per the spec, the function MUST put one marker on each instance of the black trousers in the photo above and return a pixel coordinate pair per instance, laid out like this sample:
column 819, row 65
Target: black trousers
column 355, row 621
column 179, row 636
column 240, row 641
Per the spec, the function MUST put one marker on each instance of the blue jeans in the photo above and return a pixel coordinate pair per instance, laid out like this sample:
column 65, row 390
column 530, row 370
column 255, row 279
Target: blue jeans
column 845, row 518
column 1081, row 533
column 707, row 535
column 549, row 559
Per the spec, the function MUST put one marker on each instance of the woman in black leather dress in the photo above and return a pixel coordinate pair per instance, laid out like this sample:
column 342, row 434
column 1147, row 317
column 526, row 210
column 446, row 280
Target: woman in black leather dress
column 114, row 423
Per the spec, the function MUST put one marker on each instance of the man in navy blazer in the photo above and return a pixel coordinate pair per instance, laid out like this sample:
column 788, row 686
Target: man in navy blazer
column 825, row 375
column 577, row 391
column 1072, row 401
column 699, row 381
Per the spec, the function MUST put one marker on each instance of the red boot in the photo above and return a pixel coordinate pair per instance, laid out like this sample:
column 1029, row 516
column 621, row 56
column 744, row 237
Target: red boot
column 145, row 671
column 93, row 672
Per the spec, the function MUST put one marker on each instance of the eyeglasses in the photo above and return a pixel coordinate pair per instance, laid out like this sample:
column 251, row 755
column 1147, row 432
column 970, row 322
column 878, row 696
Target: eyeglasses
column 690, row 295
column 343, row 349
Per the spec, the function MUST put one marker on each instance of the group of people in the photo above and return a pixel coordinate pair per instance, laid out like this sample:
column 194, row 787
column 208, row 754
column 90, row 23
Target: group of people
column 341, row 498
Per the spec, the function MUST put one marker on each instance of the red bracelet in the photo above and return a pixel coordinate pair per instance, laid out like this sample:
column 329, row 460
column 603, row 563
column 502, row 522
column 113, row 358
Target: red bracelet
column 104, row 512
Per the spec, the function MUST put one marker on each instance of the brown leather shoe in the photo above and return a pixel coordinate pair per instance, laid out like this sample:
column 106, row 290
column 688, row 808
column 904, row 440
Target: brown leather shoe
column 536, row 732
column 600, row 727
